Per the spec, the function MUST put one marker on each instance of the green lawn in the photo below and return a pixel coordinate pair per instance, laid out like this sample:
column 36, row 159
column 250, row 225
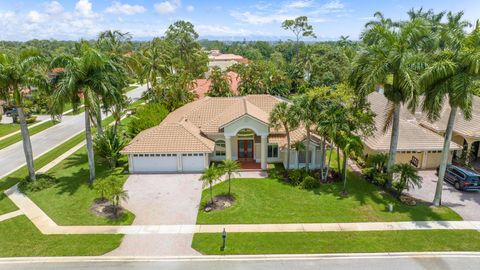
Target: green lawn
column 338, row 242
column 69, row 201
column 272, row 201
column 32, row 131
column 5, row 204
column 20, row 238
column 6, row 129
column 79, row 111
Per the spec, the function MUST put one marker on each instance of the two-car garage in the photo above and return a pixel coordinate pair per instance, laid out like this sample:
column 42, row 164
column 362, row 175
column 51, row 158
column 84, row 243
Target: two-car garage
column 167, row 162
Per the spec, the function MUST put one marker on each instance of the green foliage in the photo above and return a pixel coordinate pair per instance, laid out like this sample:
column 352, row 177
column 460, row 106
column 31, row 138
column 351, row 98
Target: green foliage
column 109, row 144
column 146, row 117
column 296, row 176
column 31, row 120
column 309, row 183
column 43, row 181
column 229, row 167
column 172, row 92
column 111, row 189
column 405, row 176
column 220, row 86
column 209, row 176
column 104, row 186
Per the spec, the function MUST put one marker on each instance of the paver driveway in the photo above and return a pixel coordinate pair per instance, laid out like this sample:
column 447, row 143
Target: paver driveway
column 465, row 203
column 158, row 199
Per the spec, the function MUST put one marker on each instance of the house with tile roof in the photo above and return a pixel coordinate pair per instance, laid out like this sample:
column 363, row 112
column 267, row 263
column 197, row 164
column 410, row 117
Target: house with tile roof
column 201, row 86
column 417, row 145
column 215, row 129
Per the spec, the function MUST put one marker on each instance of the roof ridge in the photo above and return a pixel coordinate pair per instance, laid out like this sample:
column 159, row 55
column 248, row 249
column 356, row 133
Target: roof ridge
column 195, row 135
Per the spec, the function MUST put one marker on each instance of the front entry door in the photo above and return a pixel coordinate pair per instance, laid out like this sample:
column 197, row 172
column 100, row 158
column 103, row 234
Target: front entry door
column 245, row 149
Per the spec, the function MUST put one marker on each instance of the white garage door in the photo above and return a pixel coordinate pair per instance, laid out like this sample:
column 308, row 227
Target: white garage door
column 193, row 162
column 154, row 163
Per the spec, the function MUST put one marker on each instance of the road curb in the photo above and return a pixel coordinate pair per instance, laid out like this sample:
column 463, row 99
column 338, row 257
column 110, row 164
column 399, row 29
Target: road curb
column 272, row 257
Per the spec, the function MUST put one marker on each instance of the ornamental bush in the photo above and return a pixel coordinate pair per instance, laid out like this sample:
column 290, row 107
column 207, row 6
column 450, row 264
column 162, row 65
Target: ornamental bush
column 309, row 183
column 42, row 181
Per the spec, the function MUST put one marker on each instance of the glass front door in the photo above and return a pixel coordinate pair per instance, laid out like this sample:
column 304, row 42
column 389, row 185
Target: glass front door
column 245, row 149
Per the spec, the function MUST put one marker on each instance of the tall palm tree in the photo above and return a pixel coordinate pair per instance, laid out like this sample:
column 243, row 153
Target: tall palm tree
column 229, row 167
column 453, row 75
column 302, row 109
column 281, row 117
column 209, row 176
column 392, row 58
column 92, row 76
column 18, row 73
column 153, row 61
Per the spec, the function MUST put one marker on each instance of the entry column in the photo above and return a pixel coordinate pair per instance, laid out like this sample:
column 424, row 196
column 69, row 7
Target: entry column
column 263, row 156
column 228, row 147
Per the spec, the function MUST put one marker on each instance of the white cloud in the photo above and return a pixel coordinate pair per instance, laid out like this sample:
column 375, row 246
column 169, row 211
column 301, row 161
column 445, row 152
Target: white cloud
column 168, row 6
column 126, row 9
column 36, row 17
column 215, row 30
column 299, row 4
column 84, row 8
column 190, row 8
column 53, row 7
column 251, row 18
column 334, row 4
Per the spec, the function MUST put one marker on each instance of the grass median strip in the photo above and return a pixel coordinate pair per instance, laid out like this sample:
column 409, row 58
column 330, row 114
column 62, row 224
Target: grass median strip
column 20, row 238
column 337, row 242
column 18, row 137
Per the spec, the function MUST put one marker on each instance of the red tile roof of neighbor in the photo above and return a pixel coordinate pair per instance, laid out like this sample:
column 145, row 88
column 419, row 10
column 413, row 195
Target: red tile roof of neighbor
column 201, row 86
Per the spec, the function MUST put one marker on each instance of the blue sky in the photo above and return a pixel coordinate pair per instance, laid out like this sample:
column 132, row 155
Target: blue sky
column 251, row 19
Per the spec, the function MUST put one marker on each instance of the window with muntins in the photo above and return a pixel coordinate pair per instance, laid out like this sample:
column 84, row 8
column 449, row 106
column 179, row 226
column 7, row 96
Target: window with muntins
column 272, row 151
column 302, row 157
column 220, row 148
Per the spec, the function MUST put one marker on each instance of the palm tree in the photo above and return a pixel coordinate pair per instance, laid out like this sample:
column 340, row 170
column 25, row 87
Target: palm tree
column 153, row 61
column 91, row 76
column 209, row 176
column 109, row 144
column 229, row 167
column 17, row 74
column 392, row 58
column 302, row 109
column 351, row 146
column 406, row 177
column 452, row 75
column 281, row 117
column 118, row 195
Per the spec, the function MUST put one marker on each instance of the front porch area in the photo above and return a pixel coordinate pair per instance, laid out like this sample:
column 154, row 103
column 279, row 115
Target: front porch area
column 250, row 165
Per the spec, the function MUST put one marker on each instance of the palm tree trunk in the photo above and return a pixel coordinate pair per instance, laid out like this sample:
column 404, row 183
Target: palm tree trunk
column 288, row 148
column 393, row 141
column 27, row 144
column 322, row 158
column 338, row 162
column 229, row 184
column 307, row 162
column 328, row 165
column 88, row 138
column 211, row 194
column 345, row 160
column 437, row 200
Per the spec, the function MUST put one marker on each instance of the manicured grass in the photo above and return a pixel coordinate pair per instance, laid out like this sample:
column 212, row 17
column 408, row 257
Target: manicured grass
column 19, row 238
column 32, row 131
column 338, row 242
column 79, row 111
column 270, row 200
column 5, row 204
column 69, row 201
column 6, row 129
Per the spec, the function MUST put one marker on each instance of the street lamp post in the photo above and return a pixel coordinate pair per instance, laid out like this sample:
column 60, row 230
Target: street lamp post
column 224, row 239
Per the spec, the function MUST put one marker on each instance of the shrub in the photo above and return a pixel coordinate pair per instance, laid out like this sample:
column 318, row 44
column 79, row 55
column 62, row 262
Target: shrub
column 109, row 144
column 296, row 176
column 309, row 183
column 145, row 117
column 31, row 120
column 43, row 181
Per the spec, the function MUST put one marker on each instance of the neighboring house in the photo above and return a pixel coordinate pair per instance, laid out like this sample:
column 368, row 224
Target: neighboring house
column 215, row 129
column 201, row 86
column 224, row 61
column 465, row 133
column 417, row 145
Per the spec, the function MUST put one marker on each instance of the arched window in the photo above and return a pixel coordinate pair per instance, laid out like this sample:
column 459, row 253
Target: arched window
column 220, row 148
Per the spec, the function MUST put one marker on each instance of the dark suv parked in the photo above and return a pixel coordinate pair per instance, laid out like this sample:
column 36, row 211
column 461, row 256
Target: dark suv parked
column 461, row 178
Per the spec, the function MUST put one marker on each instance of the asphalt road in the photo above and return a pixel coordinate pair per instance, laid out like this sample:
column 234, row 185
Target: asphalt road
column 297, row 263
column 12, row 157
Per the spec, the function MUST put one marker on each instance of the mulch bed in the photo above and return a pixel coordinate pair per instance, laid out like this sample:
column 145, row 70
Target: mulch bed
column 219, row 203
column 103, row 208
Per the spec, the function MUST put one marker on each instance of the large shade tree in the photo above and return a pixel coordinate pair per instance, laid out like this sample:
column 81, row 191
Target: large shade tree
column 392, row 58
column 452, row 78
column 88, row 77
column 18, row 73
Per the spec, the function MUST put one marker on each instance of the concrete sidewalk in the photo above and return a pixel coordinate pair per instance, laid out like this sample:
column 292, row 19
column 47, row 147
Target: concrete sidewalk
column 48, row 226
